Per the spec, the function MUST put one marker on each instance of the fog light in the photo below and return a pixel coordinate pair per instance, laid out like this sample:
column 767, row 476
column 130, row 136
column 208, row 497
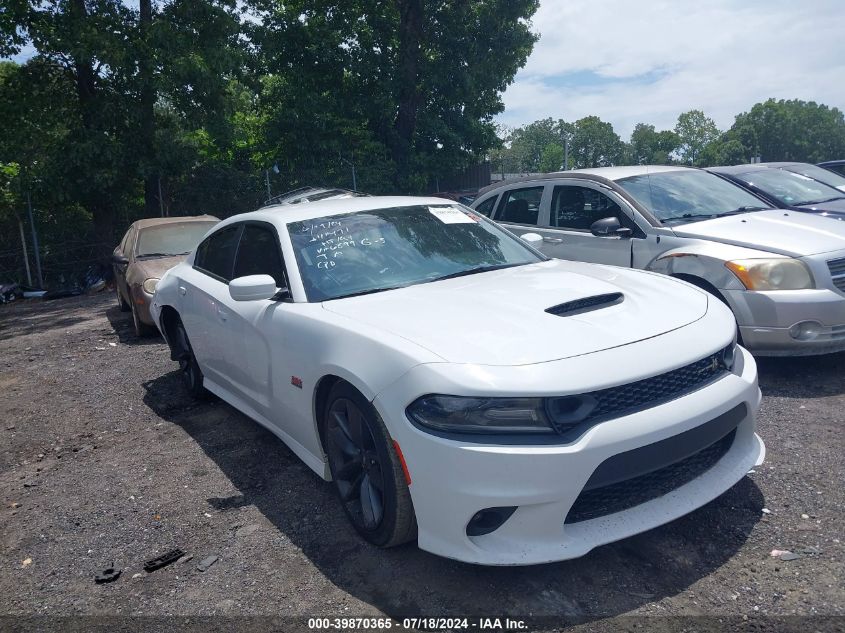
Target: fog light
column 806, row 330
column 488, row 520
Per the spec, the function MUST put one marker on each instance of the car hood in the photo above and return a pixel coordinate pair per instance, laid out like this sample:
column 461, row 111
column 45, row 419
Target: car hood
column 499, row 317
column 155, row 266
column 792, row 233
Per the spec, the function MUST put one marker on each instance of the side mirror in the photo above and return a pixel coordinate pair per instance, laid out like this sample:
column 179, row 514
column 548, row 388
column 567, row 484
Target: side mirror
column 120, row 259
column 610, row 227
column 532, row 239
column 253, row 288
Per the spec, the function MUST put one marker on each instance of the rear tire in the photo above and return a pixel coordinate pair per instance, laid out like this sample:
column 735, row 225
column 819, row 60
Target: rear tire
column 190, row 370
column 366, row 471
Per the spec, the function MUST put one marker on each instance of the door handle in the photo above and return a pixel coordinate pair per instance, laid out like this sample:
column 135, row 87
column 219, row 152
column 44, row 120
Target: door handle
column 182, row 290
column 553, row 240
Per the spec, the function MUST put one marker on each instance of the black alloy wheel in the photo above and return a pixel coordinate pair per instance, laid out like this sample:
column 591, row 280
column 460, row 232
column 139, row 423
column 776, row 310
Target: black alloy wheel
column 358, row 472
column 367, row 474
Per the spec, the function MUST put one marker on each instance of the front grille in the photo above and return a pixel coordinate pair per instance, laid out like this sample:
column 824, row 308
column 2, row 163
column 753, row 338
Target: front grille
column 615, row 402
column 837, row 272
column 599, row 502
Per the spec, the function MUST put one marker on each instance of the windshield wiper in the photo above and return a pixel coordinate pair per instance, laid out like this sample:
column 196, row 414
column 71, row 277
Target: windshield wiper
column 823, row 201
column 367, row 292
column 690, row 216
column 738, row 210
column 159, row 254
column 472, row 271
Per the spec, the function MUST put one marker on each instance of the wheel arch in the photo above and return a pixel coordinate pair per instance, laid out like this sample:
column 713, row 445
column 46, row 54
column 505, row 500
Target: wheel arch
column 168, row 320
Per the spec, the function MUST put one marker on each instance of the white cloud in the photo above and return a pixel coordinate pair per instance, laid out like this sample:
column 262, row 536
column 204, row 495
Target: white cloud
column 630, row 62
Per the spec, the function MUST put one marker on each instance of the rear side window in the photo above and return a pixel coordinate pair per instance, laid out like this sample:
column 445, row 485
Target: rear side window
column 486, row 207
column 126, row 244
column 520, row 206
column 216, row 255
column 258, row 254
column 575, row 207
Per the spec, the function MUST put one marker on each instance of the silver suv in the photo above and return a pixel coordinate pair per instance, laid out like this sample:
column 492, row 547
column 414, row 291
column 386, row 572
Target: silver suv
column 781, row 272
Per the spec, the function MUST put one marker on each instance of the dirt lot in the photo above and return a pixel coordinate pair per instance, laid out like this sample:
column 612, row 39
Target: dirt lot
column 105, row 459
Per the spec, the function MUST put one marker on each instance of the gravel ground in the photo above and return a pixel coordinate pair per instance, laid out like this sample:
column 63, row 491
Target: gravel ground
column 106, row 460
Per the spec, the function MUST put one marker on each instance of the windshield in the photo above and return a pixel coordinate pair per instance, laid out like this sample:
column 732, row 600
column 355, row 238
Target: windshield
column 789, row 189
column 177, row 238
column 686, row 196
column 370, row 251
column 819, row 173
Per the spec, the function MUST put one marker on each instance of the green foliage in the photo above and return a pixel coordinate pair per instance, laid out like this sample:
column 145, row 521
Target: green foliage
column 695, row 131
column 552, row 158
column 650, row 147
column 407, row 88
column 595, row 144
column 791, row 130
column 527, row 145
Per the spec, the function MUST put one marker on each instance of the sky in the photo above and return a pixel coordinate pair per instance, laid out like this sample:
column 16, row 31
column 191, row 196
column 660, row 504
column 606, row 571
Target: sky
column 630, row 61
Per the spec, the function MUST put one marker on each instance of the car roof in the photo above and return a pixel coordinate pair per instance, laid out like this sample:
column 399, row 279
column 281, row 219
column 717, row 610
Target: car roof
column 782, row 163
column 832, row 163
column 284, row 213
column 148, row 222
column 738, row 169
column 595, row 173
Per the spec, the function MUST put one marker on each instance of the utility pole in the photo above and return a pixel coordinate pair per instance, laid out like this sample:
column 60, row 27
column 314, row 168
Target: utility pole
column 566, row 154
column 34, row 241
column 25, row 254
column 160, row 201
column 267, row 182
column 351, row 163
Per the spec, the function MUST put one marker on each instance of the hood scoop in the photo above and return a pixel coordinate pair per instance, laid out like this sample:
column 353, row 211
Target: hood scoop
column 587, row 304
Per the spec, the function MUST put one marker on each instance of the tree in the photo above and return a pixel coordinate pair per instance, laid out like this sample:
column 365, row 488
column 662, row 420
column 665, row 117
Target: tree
column 408, row 87
column 695, row 131
column 648, row 146
column 791, row 130
column 595, row 144
column 528, row 143
column 552, row 158
column 120, row 68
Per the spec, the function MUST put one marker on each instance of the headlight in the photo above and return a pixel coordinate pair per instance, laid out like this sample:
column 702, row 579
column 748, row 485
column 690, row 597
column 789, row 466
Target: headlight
column 150, row 285
column 458, row 414
column 772, row 274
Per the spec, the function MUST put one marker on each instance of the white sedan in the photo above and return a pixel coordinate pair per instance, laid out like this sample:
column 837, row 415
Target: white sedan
column 457, row 386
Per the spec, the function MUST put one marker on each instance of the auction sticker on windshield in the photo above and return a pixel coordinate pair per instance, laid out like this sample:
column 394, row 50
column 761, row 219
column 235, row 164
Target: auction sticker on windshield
column 451, row 215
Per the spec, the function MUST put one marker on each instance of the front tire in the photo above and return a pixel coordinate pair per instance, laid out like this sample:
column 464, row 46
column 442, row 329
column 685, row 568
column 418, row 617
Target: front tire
column 124, row 307
column 366, row 472
column 141, row 329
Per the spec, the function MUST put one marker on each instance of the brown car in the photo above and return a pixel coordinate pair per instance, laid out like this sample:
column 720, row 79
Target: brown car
column 149, row 249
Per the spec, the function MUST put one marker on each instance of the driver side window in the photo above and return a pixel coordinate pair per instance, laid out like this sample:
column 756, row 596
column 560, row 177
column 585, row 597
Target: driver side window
column 576, row 207
column 258, row 254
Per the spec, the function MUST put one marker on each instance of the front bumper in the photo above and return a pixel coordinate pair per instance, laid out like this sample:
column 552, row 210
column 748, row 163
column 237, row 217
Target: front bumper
column 765, row 319
column 452, row 480
column 142, row 301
